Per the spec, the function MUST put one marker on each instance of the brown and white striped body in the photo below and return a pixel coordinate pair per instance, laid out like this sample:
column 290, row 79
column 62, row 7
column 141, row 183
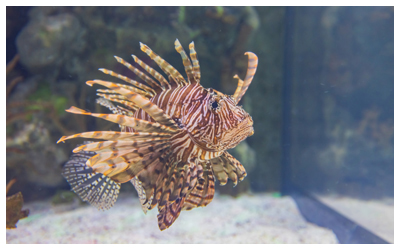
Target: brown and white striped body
column 173, row 140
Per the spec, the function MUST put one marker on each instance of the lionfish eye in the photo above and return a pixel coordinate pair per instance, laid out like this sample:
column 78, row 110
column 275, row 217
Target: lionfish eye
column 214, row 105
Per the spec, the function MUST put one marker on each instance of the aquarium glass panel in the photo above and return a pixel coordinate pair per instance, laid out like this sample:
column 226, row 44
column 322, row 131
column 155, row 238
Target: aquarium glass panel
column 341, row 67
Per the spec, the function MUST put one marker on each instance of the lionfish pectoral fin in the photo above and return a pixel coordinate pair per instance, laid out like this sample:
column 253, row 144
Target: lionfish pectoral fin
column 238, row 172
column 137, row 124
column 226, row 166
column 124, row 160
column 244, row 85
column 95, row 188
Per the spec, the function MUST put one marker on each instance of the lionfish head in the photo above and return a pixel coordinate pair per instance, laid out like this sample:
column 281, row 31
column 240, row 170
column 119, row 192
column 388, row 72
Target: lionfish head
column 231, row 122
column 228, row 124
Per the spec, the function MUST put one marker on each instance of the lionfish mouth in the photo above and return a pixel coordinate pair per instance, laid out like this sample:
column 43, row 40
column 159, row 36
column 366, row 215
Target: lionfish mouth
column 243, row 130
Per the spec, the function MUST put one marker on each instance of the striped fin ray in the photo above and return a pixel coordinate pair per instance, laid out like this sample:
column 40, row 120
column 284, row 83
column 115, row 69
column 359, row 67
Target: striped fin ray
column 175, row 181
column 177, row 186
column 219, row 170
column 195, row 172
column 166, row 67
column 105, row 101
column 123, row 86
column 95, row 188
column 139, row 73
column 244, row 85
column 126, row 163
column 238, row 88
column 148, row 92
column 120, row 99
column 137, row 124
column 168, row 214
column 153, row 178
column 107, row 159
column 153, row 110
column 164, row 83
column 186, row 62
column 204, row 191
column 237, row 167
column 195, row 61
column 117, row 166
column 140, row 141
column 104, row 135
column 162, row 182
column 170, row 202
column 226, row 166
column 152, row 160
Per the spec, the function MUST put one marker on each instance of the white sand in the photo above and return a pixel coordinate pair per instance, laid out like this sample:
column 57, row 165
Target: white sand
column 376, row 216
column 258, row 218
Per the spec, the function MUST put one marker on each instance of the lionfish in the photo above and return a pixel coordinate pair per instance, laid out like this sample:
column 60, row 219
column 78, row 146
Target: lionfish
column 173, row 140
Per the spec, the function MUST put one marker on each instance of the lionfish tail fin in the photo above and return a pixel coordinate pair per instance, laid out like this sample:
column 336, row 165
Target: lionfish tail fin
column 244, row 85
column 95, row 188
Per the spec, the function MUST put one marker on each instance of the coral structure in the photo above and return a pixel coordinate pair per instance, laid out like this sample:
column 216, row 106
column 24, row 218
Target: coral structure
column 14, row 210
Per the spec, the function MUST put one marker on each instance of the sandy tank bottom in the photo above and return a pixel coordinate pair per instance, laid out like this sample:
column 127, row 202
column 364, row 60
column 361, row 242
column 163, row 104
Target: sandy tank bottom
column 259, row 218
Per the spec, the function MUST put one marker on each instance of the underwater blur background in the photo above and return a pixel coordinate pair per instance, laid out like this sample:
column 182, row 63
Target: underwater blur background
column 322, row 99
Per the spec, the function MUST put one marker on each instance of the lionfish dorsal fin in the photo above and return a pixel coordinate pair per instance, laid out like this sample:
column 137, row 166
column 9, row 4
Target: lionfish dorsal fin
column 186, row 62
column 244, row 85
column 164, row 83
column 139, row 73
column 195, row 61
column 166, row 67
column 152, row 109
column 138, row 87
